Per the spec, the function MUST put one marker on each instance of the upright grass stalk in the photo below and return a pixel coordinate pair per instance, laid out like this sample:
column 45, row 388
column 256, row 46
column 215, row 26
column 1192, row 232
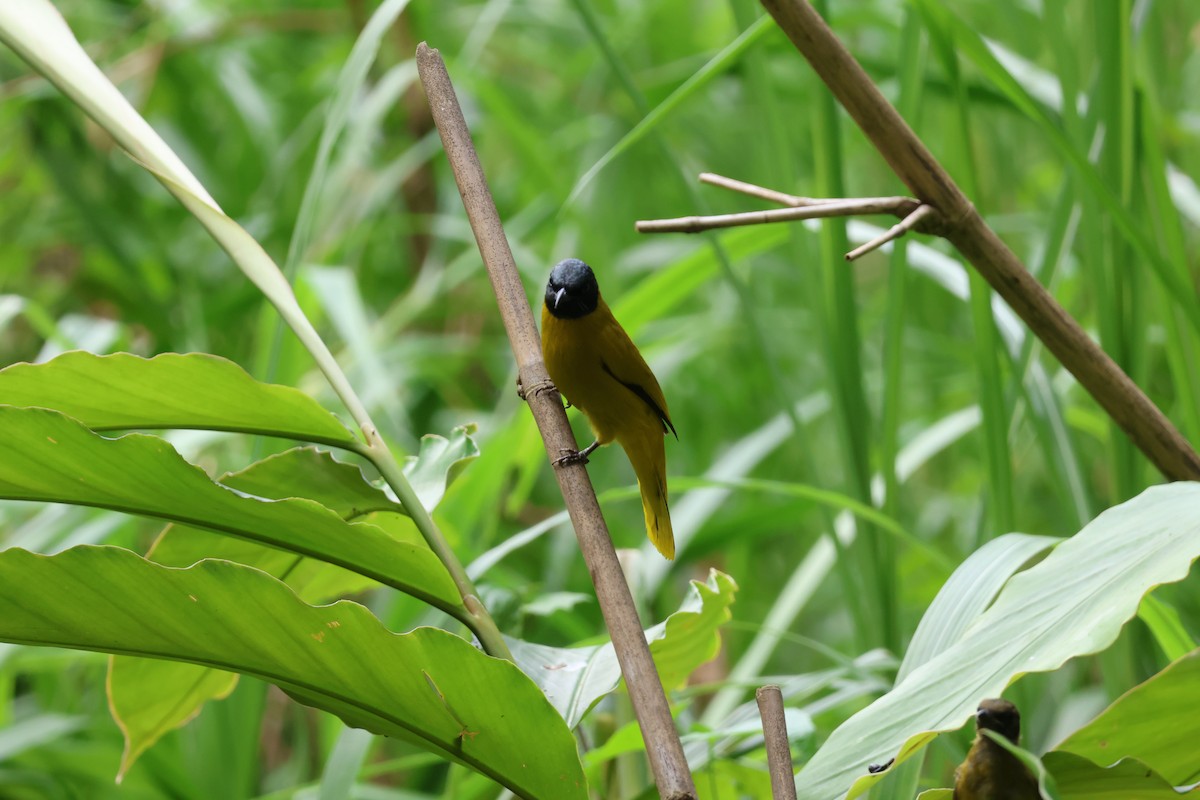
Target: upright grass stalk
column 873, row 552
column 986, row 343
column 1120, row 290
column 902, row 783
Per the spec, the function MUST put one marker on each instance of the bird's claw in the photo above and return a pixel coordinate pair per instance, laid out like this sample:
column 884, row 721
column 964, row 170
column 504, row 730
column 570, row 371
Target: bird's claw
column 570, row 457
column 536, row 389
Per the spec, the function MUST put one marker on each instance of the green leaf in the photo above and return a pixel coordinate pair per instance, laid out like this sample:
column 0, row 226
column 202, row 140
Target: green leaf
column 149, row 698
column 316, row 475
column 439, row 462
column 428, row 687
column 574, row 678
column 51, row 458
column 1155, row 722
column 967, row 593
column 1167, row 627
column 123, row 391
column 1071, row 604
column 1129, row 779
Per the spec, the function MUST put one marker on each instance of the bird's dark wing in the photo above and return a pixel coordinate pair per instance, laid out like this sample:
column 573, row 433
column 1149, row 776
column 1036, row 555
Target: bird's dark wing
column 645, row 394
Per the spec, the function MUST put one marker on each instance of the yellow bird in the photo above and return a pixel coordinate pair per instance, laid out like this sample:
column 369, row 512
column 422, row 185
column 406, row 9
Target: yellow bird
column 991, row 772
column 597, row 367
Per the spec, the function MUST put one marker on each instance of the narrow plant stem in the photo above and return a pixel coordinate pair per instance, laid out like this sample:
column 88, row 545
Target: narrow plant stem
column 908, row 157
column 663, row 747
column 779, row 752
column 774, row 733
column 985, row 341
column 481, row 622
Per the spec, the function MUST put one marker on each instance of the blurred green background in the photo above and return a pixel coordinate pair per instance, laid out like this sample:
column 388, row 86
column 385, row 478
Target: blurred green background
column 799, row 384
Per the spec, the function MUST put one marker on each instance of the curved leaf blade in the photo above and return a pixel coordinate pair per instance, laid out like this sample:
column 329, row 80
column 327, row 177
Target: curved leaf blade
column 45, row 456
column 1076, row 778
column 485, row 713
column 172, row 390
column 1072, row 603
column 1155, row 722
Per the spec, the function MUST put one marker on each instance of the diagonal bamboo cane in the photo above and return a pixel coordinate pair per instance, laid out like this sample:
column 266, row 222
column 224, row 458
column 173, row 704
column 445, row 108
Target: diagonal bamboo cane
column 963, row 227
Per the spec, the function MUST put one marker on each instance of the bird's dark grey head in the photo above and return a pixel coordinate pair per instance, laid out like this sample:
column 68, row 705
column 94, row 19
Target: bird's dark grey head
column 1000, row 716
column 572, row 291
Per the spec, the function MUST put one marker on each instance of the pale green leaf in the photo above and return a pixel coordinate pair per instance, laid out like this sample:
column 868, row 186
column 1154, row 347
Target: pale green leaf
column 439, row 462
column 1071, row 604
column 574, row 678
column 967, row 593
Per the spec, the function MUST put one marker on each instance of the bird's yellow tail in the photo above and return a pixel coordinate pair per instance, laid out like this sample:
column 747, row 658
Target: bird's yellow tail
column 649, row 458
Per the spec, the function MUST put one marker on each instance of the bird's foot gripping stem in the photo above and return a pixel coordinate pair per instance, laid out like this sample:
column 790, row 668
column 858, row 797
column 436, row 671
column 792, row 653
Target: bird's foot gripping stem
column 535, row 390
column 569, row 457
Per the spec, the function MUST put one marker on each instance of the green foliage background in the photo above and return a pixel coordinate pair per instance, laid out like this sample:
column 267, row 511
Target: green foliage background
column 894, row 377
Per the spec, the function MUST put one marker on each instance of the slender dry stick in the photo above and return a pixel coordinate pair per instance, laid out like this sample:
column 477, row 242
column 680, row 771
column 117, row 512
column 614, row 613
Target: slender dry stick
column 908, row 157
column 895, row 232
column 616, row 603
column 830, row 208
column 779, row 752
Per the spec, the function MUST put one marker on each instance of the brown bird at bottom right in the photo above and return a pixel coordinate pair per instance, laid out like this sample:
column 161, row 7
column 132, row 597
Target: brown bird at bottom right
column 991, row 772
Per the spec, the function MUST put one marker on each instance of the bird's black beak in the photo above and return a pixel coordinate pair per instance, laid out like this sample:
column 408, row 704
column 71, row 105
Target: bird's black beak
column 558, row 296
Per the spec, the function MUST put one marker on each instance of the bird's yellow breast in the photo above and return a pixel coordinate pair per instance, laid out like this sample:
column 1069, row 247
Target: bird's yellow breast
column 591, row 360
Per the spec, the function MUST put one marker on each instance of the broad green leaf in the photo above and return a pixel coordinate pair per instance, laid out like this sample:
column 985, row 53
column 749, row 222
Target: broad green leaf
column 47, row 457
column 428, row 687
column 1155, row 722
column 1071, row 604
column 123, row 391
column 1077, row 778
column 967, row 593
column 149, row 698
column 964, row 596
column 574, row 678
column 936, row 794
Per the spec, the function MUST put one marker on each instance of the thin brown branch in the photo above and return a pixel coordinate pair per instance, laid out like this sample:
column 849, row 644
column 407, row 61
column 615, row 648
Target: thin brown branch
column 770, row 195
column 963, row 227
column 895, row 232
column 616, row 603
column 900, row 206
column 779, row 751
